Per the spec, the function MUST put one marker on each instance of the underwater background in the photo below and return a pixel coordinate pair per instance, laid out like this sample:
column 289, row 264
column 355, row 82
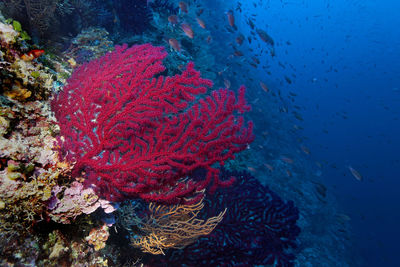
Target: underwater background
column 115, row 151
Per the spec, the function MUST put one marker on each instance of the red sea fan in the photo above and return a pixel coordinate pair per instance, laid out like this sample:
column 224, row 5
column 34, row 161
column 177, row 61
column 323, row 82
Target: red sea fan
column 135, row 133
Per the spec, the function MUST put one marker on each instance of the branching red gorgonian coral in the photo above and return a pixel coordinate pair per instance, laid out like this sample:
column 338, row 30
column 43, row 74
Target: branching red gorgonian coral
column 135, row 133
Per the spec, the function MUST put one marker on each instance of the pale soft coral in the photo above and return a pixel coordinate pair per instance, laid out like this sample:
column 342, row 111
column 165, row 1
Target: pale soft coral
column 7, row 33
column 76, row 201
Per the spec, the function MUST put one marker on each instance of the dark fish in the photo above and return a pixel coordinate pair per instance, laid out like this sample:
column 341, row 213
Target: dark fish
column 255, row 59
column 297, row 116
column 250, row 23
column 231, row 18
column 239, row 7
column 183, row 7
column 265, row 37
column 238, row 53
column 320, row 189
column 288, row 80
column 239, row 39
column 229, row 29
column 273, row 52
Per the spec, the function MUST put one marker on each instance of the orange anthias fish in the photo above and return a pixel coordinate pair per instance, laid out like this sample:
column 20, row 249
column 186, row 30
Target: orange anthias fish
column 305, row 149
column 227, row 83
column 287, row 160
column 174, row 44
column 355, row 173
column 269, row 166
column 209, row 39
column 231, row 18
column 183, row 7
column 31, row 55
column 264, row 86
column 252, row 169
column 187, row 30
column 201, row 23
column 256, row 60
column 238, row 53
column 239, row 39
column 173, row 19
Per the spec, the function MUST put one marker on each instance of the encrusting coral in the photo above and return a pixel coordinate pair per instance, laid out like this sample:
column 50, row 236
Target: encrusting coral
column 61, row 251
column 98, row 237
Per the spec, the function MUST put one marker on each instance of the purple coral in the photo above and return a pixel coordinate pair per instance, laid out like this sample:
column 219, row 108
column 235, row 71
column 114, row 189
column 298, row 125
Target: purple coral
column 258, row 229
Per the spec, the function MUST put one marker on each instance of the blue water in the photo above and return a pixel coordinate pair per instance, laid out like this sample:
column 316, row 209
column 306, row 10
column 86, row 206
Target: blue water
column 347, row 64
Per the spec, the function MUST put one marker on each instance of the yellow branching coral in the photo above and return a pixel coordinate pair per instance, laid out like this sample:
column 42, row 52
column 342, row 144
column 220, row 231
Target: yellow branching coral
column 173, row 227
column 98, row 237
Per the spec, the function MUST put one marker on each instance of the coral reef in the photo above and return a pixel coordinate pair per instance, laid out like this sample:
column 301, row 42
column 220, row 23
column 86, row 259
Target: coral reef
column 53, row 212
column 59, row 250
column 37, row 194
column 24, row 202
column 47, row 217
column 36, row 191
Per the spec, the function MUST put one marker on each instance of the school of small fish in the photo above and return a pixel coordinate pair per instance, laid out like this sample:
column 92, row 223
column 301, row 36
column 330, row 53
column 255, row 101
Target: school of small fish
column 250, row 47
